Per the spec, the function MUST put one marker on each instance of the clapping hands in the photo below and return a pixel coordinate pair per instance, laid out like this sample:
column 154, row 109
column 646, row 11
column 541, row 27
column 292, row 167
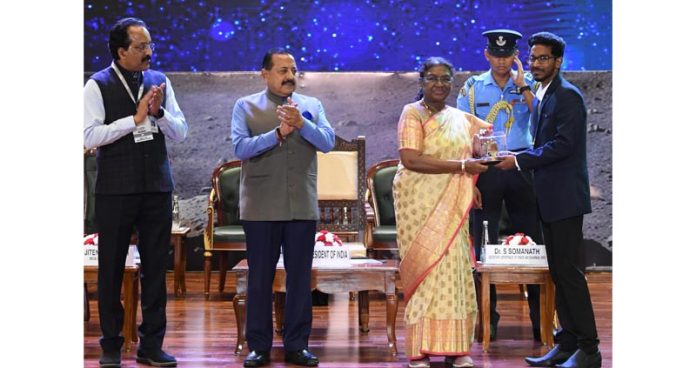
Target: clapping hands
column 149, row 104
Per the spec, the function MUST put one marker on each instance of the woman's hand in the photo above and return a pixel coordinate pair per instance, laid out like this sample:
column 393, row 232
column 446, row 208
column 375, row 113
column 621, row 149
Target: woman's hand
column 478, row 201
column 473, row 166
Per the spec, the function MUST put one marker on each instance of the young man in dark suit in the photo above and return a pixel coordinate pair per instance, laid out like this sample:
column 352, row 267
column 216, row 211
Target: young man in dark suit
column 559, row 162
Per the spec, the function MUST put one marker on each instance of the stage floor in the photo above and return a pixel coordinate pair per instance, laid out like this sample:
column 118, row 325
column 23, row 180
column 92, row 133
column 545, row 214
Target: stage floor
column 202, row 333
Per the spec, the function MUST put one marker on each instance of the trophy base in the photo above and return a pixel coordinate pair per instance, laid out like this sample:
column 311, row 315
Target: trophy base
column 491, row 162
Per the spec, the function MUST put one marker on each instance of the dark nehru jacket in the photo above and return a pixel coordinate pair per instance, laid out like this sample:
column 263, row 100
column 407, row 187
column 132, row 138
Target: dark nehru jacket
column 126, row 167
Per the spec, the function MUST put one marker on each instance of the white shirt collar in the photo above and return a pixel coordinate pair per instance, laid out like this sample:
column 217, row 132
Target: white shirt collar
column 542, row 91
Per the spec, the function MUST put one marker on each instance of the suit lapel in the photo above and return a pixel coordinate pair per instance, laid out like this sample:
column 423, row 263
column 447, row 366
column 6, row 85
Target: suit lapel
column 536, row 120
column 549, row 92
column 535, row 117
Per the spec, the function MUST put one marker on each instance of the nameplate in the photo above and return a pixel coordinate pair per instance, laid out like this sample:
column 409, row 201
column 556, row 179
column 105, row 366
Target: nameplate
column 91, row 252
column 518, row 255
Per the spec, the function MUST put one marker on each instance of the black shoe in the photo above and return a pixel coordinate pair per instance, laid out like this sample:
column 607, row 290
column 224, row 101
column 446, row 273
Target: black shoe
column 301, row 357
column 110, row 359
column 553, row 357
column 583, row 360
column 257, row 359
column 156, row 358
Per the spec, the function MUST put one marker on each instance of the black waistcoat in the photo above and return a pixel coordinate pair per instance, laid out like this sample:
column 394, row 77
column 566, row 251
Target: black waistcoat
column 126, row 167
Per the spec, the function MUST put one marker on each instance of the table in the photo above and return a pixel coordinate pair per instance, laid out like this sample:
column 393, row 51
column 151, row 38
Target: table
column 178, row 234
column 494, row 274
column 359, row 276
column 131, row 297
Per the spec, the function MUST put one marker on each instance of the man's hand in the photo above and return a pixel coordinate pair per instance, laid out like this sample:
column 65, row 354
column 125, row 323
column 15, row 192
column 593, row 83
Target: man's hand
column 286, row 129
column 143, row 107
column 507, row 164
column 518, row 76
column 156, row 99
column 478, row 201
column 290, row 114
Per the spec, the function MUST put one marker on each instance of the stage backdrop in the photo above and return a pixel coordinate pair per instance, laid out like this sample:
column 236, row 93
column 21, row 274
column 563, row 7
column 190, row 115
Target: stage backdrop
column 374, row 45
column 339, row 35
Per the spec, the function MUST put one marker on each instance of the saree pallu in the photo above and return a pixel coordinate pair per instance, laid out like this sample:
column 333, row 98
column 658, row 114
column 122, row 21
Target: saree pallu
column 433, row 234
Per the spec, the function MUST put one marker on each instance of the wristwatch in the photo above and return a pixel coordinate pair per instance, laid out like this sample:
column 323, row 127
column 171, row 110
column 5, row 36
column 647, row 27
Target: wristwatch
column 521, row 90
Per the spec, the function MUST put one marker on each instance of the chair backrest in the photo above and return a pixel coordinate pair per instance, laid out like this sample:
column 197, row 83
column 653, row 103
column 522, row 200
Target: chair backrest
column 225, row 181
column 340, row 188
column 379, row 180
column 90, row 181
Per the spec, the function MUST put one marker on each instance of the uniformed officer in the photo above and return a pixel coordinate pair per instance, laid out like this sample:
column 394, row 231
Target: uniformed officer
column 504, row 98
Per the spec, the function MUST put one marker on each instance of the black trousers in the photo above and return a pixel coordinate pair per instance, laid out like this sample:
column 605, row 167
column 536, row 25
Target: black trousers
column 117, row 215
column 515, row 189
column 567, row 266
column 264, row 240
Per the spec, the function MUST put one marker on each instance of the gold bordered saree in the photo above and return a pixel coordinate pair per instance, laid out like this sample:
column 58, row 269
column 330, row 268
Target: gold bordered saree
column 433, row 234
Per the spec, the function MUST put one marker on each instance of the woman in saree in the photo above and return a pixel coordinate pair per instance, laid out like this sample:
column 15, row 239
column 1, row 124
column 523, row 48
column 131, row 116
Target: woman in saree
column 434, row 188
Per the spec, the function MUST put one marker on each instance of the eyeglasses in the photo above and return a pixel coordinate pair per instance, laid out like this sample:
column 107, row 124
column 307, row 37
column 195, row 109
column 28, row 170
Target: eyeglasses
column 445, row 79
column 543, row 59
column 144, row 46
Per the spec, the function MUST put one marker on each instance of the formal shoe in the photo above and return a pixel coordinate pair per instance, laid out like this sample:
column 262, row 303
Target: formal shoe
column 257, row 359
column 301, row 357
column 459, row 362
column 553, row 357
column 110, row 359
column 420, row 363
column 155, row 358
column 582, row 360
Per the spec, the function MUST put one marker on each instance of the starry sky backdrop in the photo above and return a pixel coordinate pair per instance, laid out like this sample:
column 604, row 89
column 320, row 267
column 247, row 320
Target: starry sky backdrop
column 332, row 35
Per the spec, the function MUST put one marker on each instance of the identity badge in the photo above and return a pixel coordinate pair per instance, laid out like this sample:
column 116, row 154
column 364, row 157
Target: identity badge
column 143, row 133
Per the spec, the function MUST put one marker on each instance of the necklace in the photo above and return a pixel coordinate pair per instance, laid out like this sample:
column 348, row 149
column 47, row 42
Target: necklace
column 430, row 109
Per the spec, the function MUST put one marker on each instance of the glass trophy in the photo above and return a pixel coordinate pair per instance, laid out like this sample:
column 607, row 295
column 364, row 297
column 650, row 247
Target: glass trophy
column 490, row 146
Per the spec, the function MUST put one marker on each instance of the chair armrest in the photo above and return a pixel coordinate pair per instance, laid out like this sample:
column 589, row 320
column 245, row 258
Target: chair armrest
column 369, row 207
column 208, row 231
column 369, row 213
column 369, row 224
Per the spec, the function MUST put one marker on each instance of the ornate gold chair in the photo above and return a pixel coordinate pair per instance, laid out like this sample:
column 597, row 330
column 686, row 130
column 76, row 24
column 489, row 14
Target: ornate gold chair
column 340, row 186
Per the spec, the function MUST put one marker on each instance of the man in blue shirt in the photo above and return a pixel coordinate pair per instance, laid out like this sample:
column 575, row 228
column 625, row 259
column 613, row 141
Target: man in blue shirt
column 504, row 98
column 277, row 133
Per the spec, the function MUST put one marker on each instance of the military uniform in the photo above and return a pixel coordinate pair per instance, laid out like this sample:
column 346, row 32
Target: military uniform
column 507, row 110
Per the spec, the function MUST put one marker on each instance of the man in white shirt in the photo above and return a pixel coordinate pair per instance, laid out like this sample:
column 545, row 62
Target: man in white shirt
column 129, row 110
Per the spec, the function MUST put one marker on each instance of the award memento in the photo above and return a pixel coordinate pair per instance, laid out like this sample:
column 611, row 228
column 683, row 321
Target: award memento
column 490, row 146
